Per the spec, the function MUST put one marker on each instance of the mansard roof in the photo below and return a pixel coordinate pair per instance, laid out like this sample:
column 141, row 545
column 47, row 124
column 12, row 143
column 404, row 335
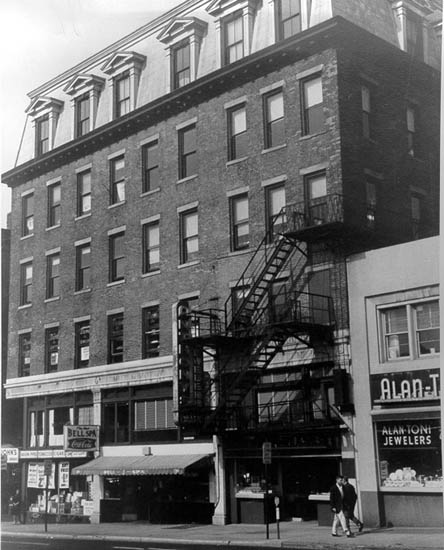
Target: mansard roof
column 182, row 24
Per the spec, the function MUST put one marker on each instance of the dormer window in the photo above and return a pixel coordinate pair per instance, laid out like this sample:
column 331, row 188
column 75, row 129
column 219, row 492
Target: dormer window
column 183, row 38
column 412, row 27
column 288, row 18
column 124, row 69
column 234, row 25
column 44, row 112
column 85, row 91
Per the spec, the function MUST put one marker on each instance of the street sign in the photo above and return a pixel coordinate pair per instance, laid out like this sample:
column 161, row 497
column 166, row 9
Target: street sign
column 266, row 452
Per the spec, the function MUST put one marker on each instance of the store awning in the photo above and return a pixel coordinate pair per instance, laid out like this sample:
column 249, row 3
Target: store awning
column 151, row 465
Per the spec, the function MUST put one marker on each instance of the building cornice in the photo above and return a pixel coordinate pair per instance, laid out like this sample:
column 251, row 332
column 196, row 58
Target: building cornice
column 331, row 34
column 134, row 373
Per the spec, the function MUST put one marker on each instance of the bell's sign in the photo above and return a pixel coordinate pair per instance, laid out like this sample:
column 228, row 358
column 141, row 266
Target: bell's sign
column 85, row 438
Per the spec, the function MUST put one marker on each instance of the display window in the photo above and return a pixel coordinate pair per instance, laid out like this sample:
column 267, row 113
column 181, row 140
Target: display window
column 409, row 453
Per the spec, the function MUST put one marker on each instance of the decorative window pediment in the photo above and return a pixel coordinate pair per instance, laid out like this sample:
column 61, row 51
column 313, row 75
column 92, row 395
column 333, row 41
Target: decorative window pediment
column 183, row 37
column 123, row 61
column 84, row 83
column 41, row 106
column 219, row 8
column 181, row 28
column 124, row 69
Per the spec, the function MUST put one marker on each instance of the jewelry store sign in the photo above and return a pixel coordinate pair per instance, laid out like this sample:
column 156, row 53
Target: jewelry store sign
column 405, row 387
column 415, row 434
column 85, row 438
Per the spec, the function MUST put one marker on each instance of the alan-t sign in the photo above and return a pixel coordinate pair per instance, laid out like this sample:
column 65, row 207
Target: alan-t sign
column 84, row 438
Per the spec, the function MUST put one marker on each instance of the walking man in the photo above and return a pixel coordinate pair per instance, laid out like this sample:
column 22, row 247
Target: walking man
column 350, row 498
column 337, row 507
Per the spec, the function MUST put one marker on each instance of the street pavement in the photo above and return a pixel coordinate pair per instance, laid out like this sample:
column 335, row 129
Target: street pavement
column 298, row 535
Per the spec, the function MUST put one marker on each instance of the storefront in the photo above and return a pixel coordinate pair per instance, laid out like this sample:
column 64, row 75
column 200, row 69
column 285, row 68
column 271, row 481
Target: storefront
column 155, row 488
column 408, row 446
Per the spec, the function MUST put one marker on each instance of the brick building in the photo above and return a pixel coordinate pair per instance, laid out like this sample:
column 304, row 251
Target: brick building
column 183, row 207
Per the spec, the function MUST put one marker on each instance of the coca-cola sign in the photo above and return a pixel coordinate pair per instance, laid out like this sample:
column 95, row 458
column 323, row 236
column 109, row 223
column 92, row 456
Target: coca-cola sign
column 81, row 438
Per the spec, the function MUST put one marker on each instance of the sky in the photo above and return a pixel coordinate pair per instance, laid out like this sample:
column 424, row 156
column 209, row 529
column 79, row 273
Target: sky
column 39, row 39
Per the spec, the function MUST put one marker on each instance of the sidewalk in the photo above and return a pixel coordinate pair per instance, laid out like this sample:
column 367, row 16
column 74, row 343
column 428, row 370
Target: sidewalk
column 305, row 535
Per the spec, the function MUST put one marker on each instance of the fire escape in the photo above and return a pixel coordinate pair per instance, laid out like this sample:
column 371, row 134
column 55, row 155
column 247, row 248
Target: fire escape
column 256, row 322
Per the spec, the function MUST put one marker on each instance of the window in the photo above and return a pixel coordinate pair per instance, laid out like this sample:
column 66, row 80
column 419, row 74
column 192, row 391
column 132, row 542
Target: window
column 117, row 257
column 316, row 188
column 82, row 114
column 117, row 180
column 83, row 193
column 189, row 236
column 42, row 135
column 313, row 109
column 52, row 349
column 151, row 247
column 83, row 267
column 237, row 133
column 233, row 38
column 25, row 283
column 187, row 152
column 366, row 112
column 417, row 207
column 57, row 418
column 122, row 95
column 116, row 422
column 150, row 164
column 153, row 415
column 25, row 354
column 28, row 214
column 274, row 203
column 414, row 37
column 85, row 415
column 151, row 331
column 82, row 337
column 274, row 119
column 53, row 276
column 288, row 18
column 115, row 338
column 181, row 65
column 54, row 208
column 190, row 326
column 411, row 141
column 36, row 428
column 370, row 196
column 240, row 228
column 411, row 331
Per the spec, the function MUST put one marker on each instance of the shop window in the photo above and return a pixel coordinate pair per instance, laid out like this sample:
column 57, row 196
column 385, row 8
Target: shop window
column 410, row 453
column 53, row 276
column 288, row 18
column 237, row 133
column 24, row 354
column 82, row 343
column 313, row 107
column 151, row 331
column 116, row 422
column 366, row 112
column 57, row 418
column 115, row 338
column 274, row 119
column 411, row 331
column 117, row 257
column 52, row 349
column 233, row 38
column 150, row 166
column 153, row 415
column 240, row 226
column 275, row 217
column 187, row 152
column 83, row 266
column 117, row 180
column 26, row 283
column 54, row 205
column 28, row 214
column 189, row 236
column 151, row 247
column 84, row 193
column 36, row 428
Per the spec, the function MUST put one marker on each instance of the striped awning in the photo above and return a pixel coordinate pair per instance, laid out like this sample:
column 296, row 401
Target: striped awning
column 151, row 465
